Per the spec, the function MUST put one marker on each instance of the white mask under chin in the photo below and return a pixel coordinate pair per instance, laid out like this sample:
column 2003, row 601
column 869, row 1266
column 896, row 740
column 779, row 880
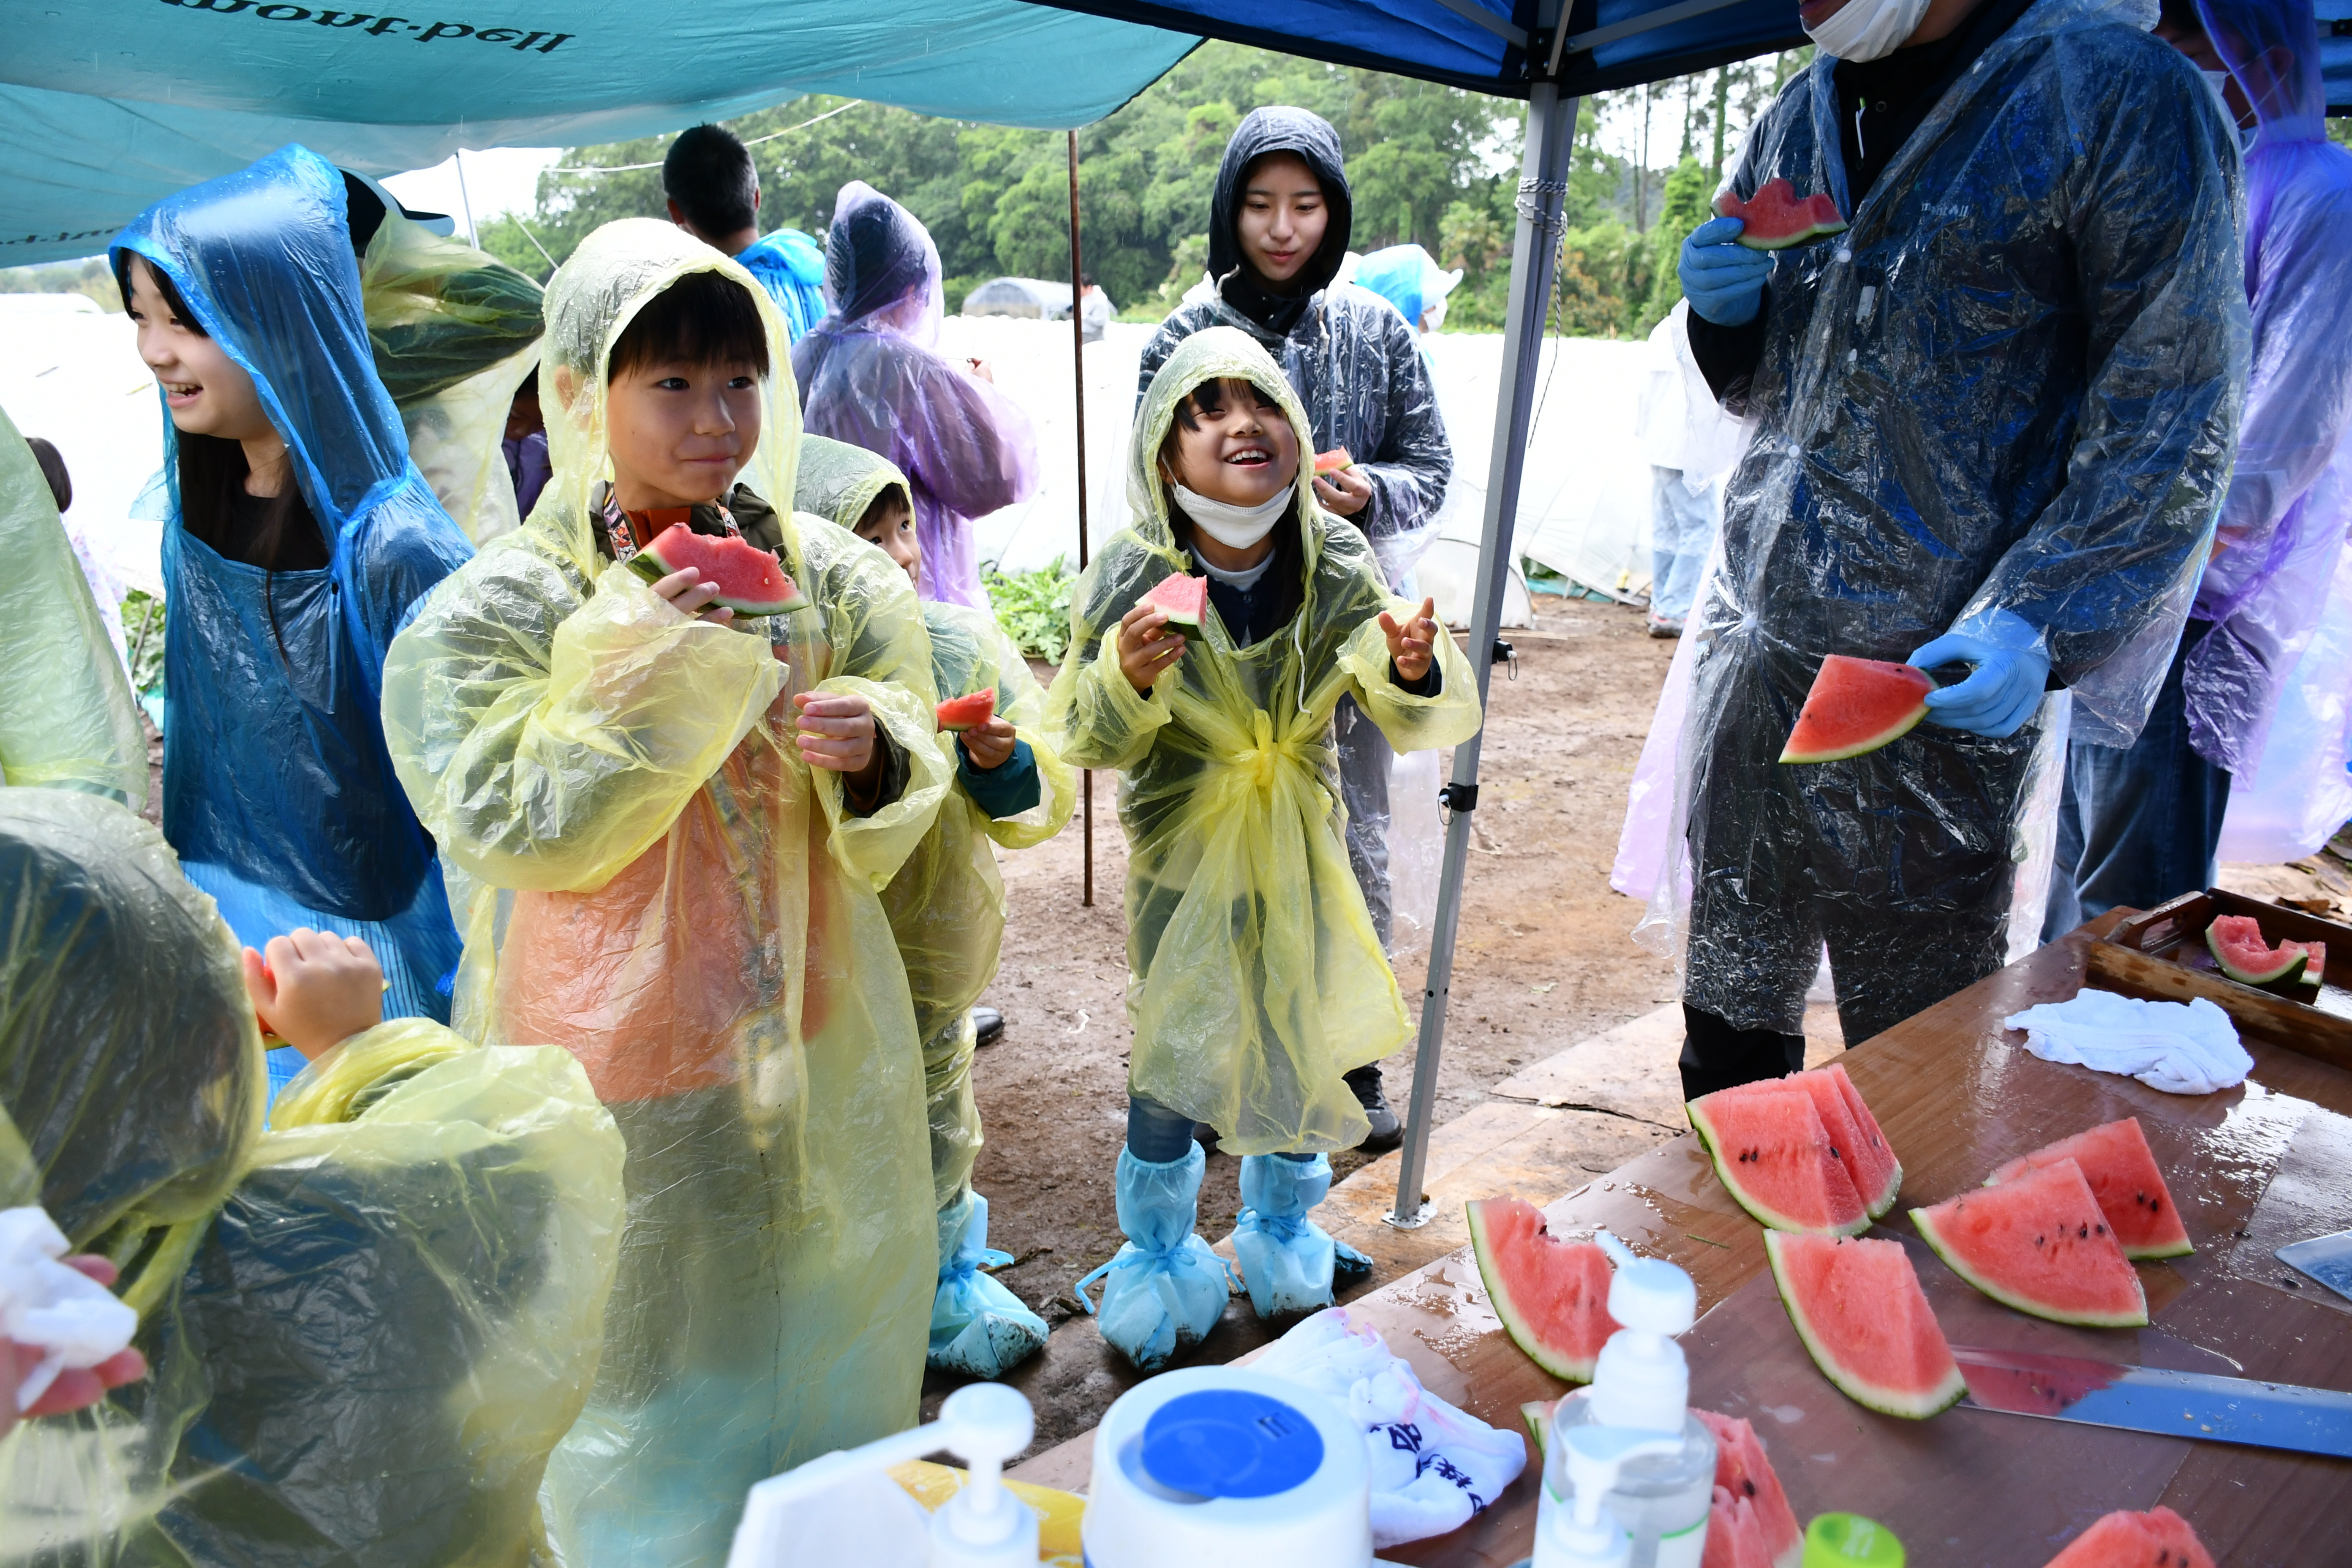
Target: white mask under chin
column 1866, row 29
column 1234, row 527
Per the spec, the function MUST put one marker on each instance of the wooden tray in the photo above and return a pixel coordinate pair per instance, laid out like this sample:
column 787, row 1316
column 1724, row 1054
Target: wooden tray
column 2162, row 954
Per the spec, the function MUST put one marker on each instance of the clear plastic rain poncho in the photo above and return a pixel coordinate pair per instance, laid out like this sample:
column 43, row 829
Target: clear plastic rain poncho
column 947, row 903
column 368, row 1327
column 278, row 792
column 66, row 715
column 2291, row 495
column 1257, row 977
column 666, row 889
column 870, row 374
column 2013, row 382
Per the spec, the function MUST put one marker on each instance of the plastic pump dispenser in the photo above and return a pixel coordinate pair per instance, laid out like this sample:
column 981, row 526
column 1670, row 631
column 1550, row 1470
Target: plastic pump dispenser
column 844, row 1506
column 1627, row 1450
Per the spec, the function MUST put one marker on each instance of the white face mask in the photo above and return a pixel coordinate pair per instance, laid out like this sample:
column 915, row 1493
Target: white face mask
column 1234, row 527
column 1868, row 29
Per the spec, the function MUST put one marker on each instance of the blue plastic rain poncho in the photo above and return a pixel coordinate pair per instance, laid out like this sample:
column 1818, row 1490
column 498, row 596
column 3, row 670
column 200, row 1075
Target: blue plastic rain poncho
column 666, row 889
column 791, row 267
column 2284, row 520
column 1258, row 979
column 1409, row 278
column 278, row 792
column 869, row 375
column 368, row 1326
column 2013, row 384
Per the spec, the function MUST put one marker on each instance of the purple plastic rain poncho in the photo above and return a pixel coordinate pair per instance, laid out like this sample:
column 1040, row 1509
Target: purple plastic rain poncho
column 869, row 375
column 2289, row 500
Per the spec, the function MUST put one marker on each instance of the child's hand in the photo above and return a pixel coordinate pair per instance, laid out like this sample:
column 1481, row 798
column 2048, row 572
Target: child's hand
column 1413, row 645
column 314, row 989
column 990, row 746
column 75, row 1388
column 1145, row 645
column 837, row 731
column 685, row 591
column 1343, row 493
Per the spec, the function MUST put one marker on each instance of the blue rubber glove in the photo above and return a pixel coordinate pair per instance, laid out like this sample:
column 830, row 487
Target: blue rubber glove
column 2011, row 669
column 1723, row 279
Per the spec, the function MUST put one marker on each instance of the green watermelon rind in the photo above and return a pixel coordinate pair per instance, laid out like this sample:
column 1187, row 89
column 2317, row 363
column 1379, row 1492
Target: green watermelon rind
column 2290, row 966
column 1176, row 617
column 1926, row 1224
column 1861, row 1390
column 650, row 567
column 2185, row 1248
column 1885, row 737
column 1498, row 1297
column 1757, row 1210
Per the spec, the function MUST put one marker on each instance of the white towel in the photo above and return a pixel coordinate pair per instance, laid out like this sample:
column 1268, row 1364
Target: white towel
column 62, row 1312
column 2190, row 1050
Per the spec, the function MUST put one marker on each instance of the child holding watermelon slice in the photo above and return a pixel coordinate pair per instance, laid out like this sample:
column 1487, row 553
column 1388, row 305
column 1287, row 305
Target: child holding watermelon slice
column 1258, row 977
column 947, row 903
column 676, row 820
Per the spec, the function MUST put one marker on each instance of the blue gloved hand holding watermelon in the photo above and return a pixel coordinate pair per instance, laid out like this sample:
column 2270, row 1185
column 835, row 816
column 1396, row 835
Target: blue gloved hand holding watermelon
column 1723, row 278
column 2011, row 669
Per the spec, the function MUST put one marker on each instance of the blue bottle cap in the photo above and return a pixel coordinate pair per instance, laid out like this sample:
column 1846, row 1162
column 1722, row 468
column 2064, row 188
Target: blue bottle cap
column 1229, row 1443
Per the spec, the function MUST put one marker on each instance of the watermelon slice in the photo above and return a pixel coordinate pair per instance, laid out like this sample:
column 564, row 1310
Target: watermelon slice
column 1735, row 1537
column 2237, row 945
column 1552, row 1295
column 1853, row 1132
column 1332, row 461
column 2121, row 1168
column 1858, row 1307
column 751, row 580
column 2039, row 1243
column 1776, row 1159
column 1856, row 705
column 957, row 713
column 1183, row 599
column 2156, row 1539
column 1744, row 1473
column 1536, row 1414
column 1774, row 219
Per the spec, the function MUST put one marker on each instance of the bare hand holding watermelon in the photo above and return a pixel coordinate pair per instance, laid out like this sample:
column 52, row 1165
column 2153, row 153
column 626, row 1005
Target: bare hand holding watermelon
column 1146, row 646
column 314, row 989
column 685, row 591
column 989, row 745
column 1413, row 645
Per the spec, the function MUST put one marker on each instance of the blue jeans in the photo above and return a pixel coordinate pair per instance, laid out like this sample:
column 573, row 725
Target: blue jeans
column 1157, row 1134
column 2138, row 827
column 1682, row 528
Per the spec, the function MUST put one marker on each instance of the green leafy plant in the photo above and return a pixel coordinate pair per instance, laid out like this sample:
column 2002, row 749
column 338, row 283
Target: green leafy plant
column 142, row 633
column 1033, row 607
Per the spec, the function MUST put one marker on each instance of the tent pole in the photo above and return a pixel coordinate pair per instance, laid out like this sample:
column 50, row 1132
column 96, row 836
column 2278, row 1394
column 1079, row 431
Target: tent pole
column 1543, row 188
column 1078, row 382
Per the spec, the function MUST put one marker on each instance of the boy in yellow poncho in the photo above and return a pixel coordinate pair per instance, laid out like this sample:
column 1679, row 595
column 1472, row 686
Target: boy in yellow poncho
column 673, row 827
column 1256, row 977
column 946, row 905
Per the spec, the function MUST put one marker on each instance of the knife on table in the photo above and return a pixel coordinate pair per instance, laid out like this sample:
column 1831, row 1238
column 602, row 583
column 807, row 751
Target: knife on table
column 2197, row 1406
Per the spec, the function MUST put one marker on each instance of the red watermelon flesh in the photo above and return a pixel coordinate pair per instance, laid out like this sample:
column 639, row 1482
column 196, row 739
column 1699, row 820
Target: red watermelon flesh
column 2037, row 1384
column 1552, row 1295
column 2173, row 1532
column 1773, row 219
column 968, row 712
column 2130, row 1190
column 1856, row 705
column 751, row 580
column 2039, row 1243
column 1775, row 1158
column 1858, row 1308
column 2238, row 946
column 2156, row 1539
column 1868, row 1161
column 1183, row 599
column 1734, row 1536
column 1332, row 461
column 1742, row 1470
column 1882, row 1176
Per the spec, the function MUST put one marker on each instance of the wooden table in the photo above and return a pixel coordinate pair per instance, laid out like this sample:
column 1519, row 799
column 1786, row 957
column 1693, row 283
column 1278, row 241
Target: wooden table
column 1956, row 1096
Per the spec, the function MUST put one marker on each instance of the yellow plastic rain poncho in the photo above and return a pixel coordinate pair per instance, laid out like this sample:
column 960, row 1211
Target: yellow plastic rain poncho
column 1257, row 980
column 368, row 1326
column 66, row 715
column 660, row 885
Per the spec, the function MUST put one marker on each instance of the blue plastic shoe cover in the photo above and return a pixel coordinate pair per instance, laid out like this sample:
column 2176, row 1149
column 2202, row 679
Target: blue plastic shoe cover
column 978, row 1327
column 1165, row 1288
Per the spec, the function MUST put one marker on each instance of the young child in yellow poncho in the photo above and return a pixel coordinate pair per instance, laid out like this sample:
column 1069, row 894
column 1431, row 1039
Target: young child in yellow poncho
column 1256, row 977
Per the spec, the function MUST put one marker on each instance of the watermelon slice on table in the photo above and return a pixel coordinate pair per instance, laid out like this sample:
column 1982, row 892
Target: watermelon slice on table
column 2121, row 1168
column 2237, row 945
column 1857, row 705
column 1858, row 1308
column 1774, row 219
column 2039, row 1243
column 960, row 713
column 1182, row 599
column 1853, row 1132
column 1332, row 461
column 2156, row 1539
column 1734, row 1536
column 1775, row 1158
column 1742, row 1470
column 1552, row 1294
column 751, row 580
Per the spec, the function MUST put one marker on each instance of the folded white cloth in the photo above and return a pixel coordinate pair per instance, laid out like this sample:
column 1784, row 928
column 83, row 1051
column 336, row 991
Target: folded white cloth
column 2190, row 1050
column 64, row 1314
column 1433, row 1467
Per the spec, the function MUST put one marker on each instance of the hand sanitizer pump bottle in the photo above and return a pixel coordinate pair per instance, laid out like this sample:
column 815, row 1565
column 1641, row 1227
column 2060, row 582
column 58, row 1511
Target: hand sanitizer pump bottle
column 1661, row 1475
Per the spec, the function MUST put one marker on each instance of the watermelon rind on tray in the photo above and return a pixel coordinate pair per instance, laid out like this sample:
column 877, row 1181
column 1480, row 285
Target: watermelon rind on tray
column 752, row 581
column 2240, row 950
column 968, row 713
column 1857, row 1306
column 1744, row 1473
column 2125, row 1181
column 1552, row 1294
column 2039, row 1243
column 1181, row 597
column 1775, row 1158
column 1855, row 707
column 1774, row 218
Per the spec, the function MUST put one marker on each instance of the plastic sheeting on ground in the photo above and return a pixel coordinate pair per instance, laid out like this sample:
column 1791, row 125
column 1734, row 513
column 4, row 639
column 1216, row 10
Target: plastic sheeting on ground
column 663, row 887
column 1258, row 979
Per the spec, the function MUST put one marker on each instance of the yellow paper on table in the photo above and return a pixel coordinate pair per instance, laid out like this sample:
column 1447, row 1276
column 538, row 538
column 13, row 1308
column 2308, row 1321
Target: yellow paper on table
column 1058, row 1512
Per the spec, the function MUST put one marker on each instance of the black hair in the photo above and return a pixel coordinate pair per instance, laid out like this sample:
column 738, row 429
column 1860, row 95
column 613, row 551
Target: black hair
column 1209, row 397
column 704, row 317
column 890, row 499
column 2181, row 15
column 707, row 173
column 53, row 468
